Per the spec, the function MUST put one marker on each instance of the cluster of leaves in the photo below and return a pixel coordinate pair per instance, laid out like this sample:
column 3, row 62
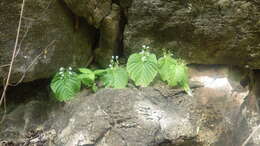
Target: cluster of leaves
column 144, row 66
column 141, row 67
column 66, row 83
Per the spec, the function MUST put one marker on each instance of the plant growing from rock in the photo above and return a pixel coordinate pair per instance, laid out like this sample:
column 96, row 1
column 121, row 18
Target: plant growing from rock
column 142, row 67
column 174, row 72
column 88, row 77
column 65, row 84
column 115, row 76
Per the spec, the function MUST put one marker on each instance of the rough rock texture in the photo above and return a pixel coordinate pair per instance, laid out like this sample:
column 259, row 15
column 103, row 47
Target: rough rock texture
column 110, row 37
column 106, row 15
column 93, row 10
column 110, row 117
column 249, row 120
column 201, row 31
column 47, row 39
column 154, row 116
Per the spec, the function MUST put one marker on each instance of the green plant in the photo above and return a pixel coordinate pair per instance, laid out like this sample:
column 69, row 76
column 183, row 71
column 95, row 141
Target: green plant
column 142, row 67
column 115, row 76
column 88, row 77
column 166, row 65
column 65, row 84
column 174, row 72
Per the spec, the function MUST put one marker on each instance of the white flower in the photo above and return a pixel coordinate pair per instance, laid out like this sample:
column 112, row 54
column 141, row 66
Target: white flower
column 113, row 57
column 70, row 72
column 144, row 58
column 70, row 68
column 110, row 65
column 142, row 52
column 61, row 69
column 116, row 57
column 61, row 73
column 144, row 46
column 147, row 47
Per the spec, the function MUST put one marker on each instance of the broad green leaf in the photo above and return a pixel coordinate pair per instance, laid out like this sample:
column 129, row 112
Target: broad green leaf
column 65, row 85
column 180, row 76
column 165, row 65
column 142, row 68
column 174, row 72
column 116, row 77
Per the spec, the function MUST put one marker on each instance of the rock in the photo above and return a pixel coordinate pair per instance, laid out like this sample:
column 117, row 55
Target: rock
column 110, row 117
column 93, row 10
column 47, row 39
column 248, row 121
column 201, row 32
column 110, row 37
column 107, row 17
column 123, row 117
column 153, row 116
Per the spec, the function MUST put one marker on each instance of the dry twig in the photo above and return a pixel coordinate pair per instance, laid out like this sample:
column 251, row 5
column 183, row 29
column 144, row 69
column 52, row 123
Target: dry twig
column 33, row 62
column 5, row 65
column 13, row 55
column 251, row 135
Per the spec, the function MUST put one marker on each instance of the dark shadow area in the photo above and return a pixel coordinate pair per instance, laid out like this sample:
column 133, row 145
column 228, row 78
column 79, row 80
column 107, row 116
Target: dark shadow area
column 188, row 142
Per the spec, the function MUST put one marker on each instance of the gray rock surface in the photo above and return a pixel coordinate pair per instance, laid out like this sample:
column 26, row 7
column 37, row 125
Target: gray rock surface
column 110, row 37
column 93, row 10
column 202, row 32
column 47, row 39
column 153, row 116
column 110, row 117
column 107, row 17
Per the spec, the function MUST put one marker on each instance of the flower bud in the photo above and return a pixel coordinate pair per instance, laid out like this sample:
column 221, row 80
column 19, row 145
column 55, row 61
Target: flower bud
column 61, row 69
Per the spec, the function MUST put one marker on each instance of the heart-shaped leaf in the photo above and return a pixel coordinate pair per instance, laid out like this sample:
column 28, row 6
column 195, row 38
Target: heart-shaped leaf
column 142, row 68
column 65, row 85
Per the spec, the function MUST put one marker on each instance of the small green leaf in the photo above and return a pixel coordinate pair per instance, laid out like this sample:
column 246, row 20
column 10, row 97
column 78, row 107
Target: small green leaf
column 85, row 70
column 116, row 77
column 100, row 72
column 87, row 73
column 87, row 76
column 65, row 85
column 94, row 87
column 142, row 68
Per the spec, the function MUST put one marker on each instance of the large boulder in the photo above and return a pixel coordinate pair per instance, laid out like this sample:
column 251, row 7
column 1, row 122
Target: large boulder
column 202, row 32
column 47, row 39
column 153, row 116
